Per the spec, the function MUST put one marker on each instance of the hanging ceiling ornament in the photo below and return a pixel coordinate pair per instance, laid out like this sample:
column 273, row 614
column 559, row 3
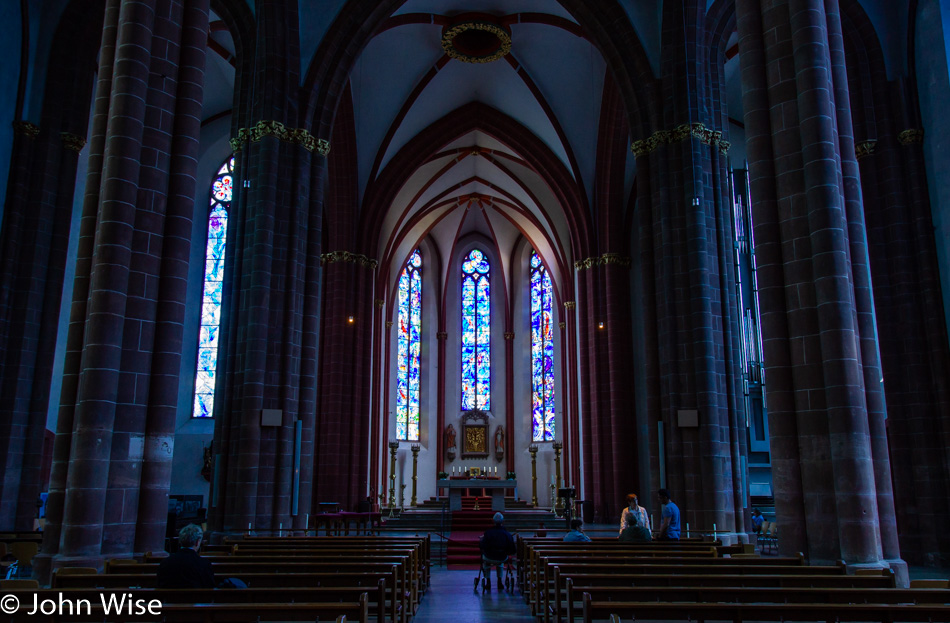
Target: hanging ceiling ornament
column 476, row 38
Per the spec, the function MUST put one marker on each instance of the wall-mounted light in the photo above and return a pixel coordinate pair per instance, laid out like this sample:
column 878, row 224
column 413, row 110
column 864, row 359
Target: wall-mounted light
column 600, row 325
column 695, row 201
column 350, row 319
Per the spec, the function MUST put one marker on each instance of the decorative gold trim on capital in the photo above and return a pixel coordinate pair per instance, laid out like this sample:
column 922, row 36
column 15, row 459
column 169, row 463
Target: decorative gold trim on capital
column 346, row 256
column 379, row 303
column 389, row 324
column 441, row 335
column 697, row 130
column 864, row 148
column 570, row 304
column 297, row 136
column 73, row 142
column 448, row 42
column 603, row 260
column 25, row 128
column 911, row 136
column 562, row 325
column 509, row 335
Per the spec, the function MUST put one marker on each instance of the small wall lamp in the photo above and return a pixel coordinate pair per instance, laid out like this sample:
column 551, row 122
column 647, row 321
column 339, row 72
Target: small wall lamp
column 600, row 325
column 350, row 319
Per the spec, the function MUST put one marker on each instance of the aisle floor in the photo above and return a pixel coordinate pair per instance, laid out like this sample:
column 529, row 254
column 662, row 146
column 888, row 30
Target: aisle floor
column 451, row 598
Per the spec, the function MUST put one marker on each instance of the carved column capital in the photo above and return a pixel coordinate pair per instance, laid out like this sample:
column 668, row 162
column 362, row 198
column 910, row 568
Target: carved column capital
column 73, row 142
column 911, row 136
column 25, row 128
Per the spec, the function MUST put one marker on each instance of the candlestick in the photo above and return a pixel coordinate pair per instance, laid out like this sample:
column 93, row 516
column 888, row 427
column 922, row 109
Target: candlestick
column 415, row 459
column 393, row 447
column 534, row 475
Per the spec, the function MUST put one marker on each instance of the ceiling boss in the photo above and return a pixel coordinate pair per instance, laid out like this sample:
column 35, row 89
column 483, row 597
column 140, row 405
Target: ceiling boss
column 476, row 38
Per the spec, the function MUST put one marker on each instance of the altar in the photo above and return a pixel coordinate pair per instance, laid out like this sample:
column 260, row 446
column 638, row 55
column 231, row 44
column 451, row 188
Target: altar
column 496, row 487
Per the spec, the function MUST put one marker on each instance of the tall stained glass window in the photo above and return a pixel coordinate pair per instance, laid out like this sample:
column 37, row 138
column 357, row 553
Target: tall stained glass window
column 542, row 353
column 410, row 326
column 476, row 331
column 221, row 193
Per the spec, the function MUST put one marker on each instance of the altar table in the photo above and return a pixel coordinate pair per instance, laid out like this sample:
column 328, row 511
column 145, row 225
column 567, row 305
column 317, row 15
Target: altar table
column 497, row 488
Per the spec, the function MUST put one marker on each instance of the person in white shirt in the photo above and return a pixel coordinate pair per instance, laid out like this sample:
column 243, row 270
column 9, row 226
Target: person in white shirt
column 634, row 514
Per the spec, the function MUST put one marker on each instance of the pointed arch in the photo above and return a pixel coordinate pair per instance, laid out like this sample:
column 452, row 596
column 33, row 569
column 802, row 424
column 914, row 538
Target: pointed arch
column 208, row 334
column 409, row 342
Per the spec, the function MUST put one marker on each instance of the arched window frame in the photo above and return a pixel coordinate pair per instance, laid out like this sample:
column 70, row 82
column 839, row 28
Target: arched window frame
column 542, row 352
column 408, row 345
column 209, row 330
column 475, row 347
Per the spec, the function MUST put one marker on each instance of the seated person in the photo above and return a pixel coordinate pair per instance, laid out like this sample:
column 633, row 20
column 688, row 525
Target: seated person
column 757, row 520
column 496, row 545
column 635, row 533
column 577, row 532
column 185, row 568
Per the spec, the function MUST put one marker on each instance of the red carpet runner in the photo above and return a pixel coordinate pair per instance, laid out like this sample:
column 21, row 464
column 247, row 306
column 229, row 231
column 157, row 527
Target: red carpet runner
column 467, row 526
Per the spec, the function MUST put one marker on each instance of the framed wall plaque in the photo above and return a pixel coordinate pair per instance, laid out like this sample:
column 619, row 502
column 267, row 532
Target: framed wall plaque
column 475, row 434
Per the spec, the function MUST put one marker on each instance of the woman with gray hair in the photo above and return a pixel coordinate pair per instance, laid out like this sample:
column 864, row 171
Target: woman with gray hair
column 185, row 568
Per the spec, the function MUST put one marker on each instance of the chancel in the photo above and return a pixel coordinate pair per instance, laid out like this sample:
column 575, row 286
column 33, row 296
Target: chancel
column 322, row 274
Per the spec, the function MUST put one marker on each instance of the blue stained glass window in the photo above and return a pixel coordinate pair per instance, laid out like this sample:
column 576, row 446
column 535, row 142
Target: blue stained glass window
column 221, row 193
column 476, row 332
column 409, row 341
column 542, row 353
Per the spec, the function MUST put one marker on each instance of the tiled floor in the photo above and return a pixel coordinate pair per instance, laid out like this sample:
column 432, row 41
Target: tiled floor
column 450, row 598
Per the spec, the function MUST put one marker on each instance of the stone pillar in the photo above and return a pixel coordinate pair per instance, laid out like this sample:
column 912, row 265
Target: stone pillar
column 814, row 289
column 35, row 237
column 342, row 425
column 143, row 141
column 910, row 317
column 271, row 299
column 687, row 266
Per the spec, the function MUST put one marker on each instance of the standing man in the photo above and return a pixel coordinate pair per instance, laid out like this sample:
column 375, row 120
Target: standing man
column 670, row 528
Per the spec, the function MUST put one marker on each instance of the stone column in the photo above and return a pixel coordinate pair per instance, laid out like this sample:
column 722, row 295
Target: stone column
column 687, row 269
column 342, row 426
column 35, row 237
column 814, row 288
column 142, row 142
column 271, row 299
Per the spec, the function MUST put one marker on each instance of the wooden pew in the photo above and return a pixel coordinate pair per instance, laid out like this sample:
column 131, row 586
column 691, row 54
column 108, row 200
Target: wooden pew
column 396, row 601
column 245, row 544
column 530, row 553
column 550, row 589
column 419, row 567
column 543, row 582
column 686, row 611
column 733, row 594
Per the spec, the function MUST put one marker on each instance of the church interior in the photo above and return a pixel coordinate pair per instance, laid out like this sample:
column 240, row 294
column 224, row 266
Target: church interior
column 271, row 265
